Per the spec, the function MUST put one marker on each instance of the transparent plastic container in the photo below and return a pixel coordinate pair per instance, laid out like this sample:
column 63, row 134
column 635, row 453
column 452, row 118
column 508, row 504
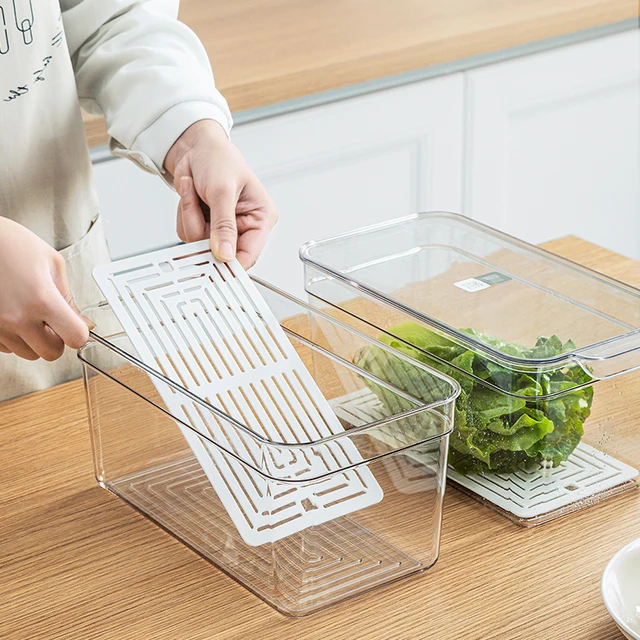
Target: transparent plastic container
column 546, row 423
column 141, row 456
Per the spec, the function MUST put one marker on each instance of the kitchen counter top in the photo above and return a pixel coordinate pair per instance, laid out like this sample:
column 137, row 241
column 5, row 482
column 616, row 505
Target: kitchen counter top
column 273, row 56
column 77, row 563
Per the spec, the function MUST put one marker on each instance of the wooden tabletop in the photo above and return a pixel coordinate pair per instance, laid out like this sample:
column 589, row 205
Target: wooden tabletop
column 77, row 563
column 269, row 51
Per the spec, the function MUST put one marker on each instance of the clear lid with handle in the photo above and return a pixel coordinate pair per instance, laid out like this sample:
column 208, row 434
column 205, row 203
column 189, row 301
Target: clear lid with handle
column 518, row 308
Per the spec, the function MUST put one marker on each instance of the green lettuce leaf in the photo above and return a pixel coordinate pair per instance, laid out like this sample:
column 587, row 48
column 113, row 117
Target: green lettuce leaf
column 494, row 431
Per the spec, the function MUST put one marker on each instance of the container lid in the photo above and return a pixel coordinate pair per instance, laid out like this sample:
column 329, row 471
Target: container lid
column 472, row 288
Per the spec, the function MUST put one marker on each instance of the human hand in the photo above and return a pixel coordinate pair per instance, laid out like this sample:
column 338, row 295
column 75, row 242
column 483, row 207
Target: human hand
column 220, row 197
column 37, row 313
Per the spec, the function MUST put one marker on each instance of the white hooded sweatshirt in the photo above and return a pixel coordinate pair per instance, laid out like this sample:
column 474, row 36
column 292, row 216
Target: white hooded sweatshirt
column 130, row 60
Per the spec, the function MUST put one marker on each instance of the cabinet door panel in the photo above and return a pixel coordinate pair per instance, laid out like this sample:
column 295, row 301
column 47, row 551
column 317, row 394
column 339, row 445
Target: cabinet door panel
column 345, row 165
column 138, row 209
column 553, row 144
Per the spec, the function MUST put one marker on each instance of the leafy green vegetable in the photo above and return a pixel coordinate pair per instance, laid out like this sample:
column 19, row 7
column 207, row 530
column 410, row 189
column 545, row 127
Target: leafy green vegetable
column 494, row 431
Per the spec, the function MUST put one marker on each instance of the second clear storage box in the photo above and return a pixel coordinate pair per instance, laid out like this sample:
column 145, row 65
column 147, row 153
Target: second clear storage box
column 381, row 479
column 546, row 352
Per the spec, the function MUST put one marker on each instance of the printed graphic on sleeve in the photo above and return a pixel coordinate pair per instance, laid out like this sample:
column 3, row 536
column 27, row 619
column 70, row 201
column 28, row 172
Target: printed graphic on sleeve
column 4, row 32
column 23, row 13
column 16, row 35
column 16, row 17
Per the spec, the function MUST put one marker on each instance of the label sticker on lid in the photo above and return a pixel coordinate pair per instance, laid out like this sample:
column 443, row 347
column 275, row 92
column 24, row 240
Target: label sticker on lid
column 472, row 285
column 482, row 282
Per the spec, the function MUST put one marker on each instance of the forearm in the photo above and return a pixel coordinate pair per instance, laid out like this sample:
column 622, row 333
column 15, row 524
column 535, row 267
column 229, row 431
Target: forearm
column 144, row 70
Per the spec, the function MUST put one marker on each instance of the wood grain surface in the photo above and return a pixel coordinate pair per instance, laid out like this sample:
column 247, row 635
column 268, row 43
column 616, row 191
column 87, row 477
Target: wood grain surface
column 268, row 51
column 77, row 563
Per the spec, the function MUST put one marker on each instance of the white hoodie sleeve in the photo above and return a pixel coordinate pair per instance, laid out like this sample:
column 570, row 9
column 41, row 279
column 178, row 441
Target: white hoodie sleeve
column 145, row 71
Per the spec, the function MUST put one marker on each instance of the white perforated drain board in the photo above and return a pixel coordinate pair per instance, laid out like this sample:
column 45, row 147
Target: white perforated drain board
column 528, row 494
column 206, row 327
column 525, row 494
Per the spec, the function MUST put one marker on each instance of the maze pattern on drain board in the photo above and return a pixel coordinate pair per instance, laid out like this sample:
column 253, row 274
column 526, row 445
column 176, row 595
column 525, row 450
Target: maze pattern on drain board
column 204, row 325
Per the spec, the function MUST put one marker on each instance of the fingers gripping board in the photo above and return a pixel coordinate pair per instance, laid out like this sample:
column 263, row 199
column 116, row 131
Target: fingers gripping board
column 204, row 325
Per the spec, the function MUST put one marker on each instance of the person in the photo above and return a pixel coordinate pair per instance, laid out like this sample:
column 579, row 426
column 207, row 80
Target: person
column 149, row 75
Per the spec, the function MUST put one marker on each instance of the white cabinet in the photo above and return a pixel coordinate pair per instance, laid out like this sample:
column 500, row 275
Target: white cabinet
column 552, row 144
column 329, row 169
column 354, row 163
column 138, row 209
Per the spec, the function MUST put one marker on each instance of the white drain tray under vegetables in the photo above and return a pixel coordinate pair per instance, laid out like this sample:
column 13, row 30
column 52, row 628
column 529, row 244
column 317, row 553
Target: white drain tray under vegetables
column 527, row 494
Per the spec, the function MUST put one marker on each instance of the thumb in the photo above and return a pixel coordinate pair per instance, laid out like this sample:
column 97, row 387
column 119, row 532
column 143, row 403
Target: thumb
column 222, row 217
column 63, row 315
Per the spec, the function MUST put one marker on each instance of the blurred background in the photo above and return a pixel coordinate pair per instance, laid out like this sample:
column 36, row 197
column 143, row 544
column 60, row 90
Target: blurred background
column 523, row 115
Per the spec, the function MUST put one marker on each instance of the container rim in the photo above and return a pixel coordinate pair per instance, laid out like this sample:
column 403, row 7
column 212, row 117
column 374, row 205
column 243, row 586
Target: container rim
column 419, row 405
column 489, row 385
column 575, row 356
column 261, row 472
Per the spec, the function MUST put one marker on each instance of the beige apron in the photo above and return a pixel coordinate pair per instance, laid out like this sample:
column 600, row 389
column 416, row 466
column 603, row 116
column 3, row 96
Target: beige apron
column 45, row 170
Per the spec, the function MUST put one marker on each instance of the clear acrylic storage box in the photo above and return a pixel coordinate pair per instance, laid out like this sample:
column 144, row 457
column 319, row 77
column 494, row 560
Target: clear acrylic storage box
column 547, row 354
column 381, row 479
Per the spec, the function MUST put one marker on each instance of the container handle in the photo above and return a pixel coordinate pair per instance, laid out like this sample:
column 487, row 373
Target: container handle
column 611, row 357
